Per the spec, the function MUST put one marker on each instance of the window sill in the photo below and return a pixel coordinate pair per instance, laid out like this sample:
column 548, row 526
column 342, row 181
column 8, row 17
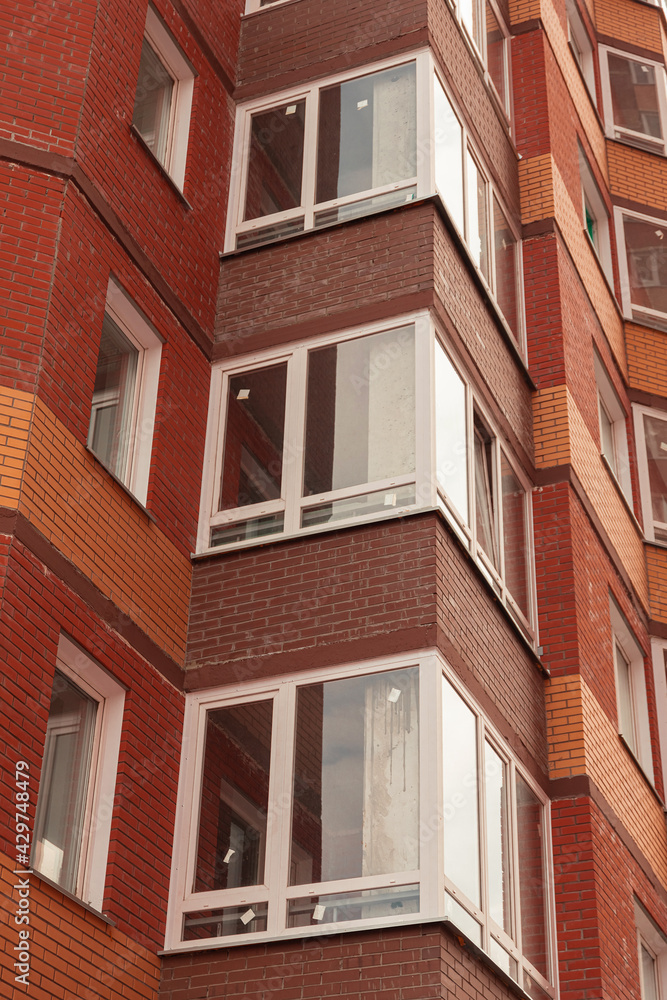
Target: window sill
column 267, row 6
column 165, row 173
column 123, row 486
column 75, row 899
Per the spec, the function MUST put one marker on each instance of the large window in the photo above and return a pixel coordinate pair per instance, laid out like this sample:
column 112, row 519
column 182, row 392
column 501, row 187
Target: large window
column 163, row 99
column 71, row 836
column 651, row 954
column 485, row 28
column 580, row 45
column 634, row 99
column 330, row 433
column 613, row 429
column 349, row 147
column 651, row 432
column 122, row 413
column 632, row 703
column 643, row 267
column 595, row 216
column 315, row 802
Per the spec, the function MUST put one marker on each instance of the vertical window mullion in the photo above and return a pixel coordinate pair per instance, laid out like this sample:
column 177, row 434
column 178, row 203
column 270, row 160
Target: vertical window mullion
column 431, row 859
column 483, row 849
column 425, row 165
column 514, row 860
column 295, row 429
column 425, row 472
column 470, row 449
column 310, row 139
column 279, row 825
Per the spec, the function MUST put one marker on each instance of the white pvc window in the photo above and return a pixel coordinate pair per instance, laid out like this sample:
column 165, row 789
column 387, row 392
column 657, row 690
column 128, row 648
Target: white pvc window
column 613, row 430
column 486, row 29
column 374, row 423
column 651, row 433
column 631, row 699
column 122, row 414
column 580, row 45
column 163, row 99
column 634, row 99
column 659, row 651
column 595, row 217
column 303, row 805
column 71, row 837
column 476, row 210
column 643, row 267
column 651, row 955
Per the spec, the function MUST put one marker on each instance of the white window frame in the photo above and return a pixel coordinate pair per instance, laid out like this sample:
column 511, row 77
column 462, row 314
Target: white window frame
column 652, row 938
column 431, row 874
column 614, row 131
column 642, row 468
column 427, row 493
column 638, row 313
column 659, row 655
column 480, row 50
column 593, row 202
column 109, row 695
column 143, row 337
column 581, row 46
column 641, row 731
column 179, row 69
column 490, row 280
column 610, row 404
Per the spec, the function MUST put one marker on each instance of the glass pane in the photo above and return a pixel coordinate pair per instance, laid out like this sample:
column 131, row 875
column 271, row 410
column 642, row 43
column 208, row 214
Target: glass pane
column 254, row 431
column 485, row 503
column 655, row 432
column 360, row 415
column 241, row 531
column 356, row 778
column 448, row 156
column 462, row 920
column 495, row 52
column 246, row 919
column 367, row 133
column 152, row 104
column 378, row 503
column 532, row 885
column 450, row 433
column 472, row 15
column 63, row 786
column 506, row 270
column 503, row 958
column 497, row 834
column 112, row 409
column 234, row 797
column 275, row 162
column 626, row 723
column 649, row 978
column 514, row 536
column 313, row 911
column 477, row 231
column 634, row 95
column 365, row 206
column 646, row 249
column 460, row 811
column 607, row 435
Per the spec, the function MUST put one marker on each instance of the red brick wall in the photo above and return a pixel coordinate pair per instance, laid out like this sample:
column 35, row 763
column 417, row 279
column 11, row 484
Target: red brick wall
column 37, row 607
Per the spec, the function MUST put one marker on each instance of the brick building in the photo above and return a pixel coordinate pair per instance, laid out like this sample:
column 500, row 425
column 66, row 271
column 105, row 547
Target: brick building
column 334, row 499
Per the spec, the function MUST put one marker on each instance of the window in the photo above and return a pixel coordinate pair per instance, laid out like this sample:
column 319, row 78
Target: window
column 163, row 100
column 327, row 433
column 634, row 99
column 613, row 430
column 580, row 45
column 123, row 405
column 652, row 956
column 476, row 210
column 651, row 431
column 596, row 217
column 643, row 267
column 346, row 148
column 659, row 649
column 71, row 838
column 485, row 28
column 313, row 803
column 632, row 704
